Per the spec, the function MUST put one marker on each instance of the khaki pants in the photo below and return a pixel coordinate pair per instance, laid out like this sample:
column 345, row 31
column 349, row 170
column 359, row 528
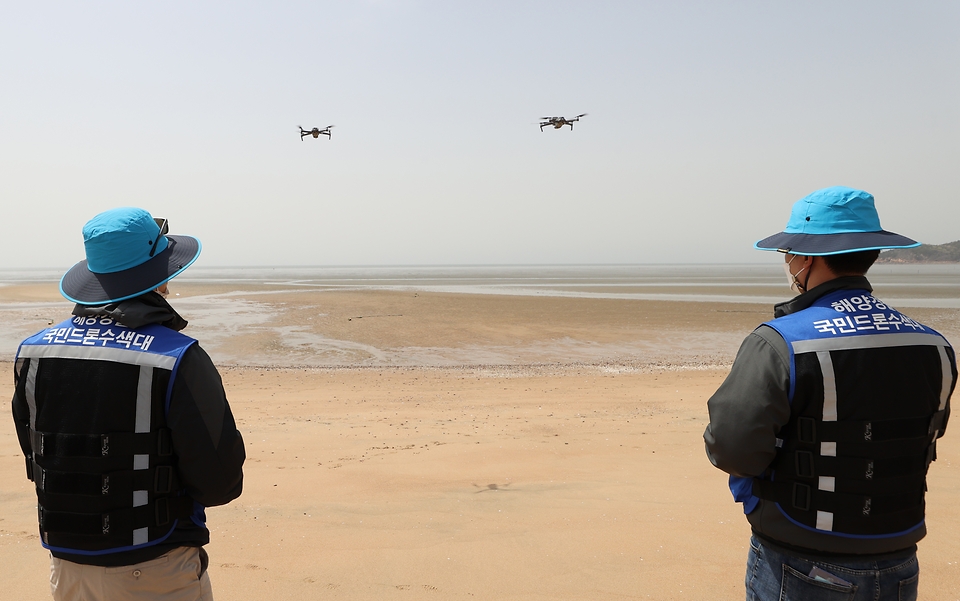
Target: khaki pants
column 179, row 575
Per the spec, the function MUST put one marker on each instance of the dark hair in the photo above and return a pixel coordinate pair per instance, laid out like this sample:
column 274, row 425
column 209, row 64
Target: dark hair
column 855, row 263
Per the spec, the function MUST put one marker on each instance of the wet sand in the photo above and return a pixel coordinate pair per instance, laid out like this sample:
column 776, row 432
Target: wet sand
column 270, row 325
column 432, row 445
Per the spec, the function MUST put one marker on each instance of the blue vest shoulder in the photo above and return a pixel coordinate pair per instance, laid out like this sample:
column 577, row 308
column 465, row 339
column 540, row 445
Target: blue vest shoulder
column 103, row 336
column 845, row 313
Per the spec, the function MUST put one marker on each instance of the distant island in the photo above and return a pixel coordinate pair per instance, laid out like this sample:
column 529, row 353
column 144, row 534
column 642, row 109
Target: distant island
column 928, row 253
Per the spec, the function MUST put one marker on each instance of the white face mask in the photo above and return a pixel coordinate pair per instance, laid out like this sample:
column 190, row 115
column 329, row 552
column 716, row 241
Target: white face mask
column 792, row 280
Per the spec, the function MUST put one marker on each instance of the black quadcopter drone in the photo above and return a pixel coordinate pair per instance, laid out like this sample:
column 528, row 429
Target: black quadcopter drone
column 315, row 132
column 558, row 122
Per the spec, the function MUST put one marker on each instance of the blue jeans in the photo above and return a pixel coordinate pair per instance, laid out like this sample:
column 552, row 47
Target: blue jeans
column 775, row 576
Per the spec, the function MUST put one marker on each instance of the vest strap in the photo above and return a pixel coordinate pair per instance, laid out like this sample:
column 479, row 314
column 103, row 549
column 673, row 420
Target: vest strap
column 116, row 523
column 807, row 465
column 879, row 486
column 797, row 495
column 114, row 444
column 855, row 468
column 873, row 431
column 867, row 523
column 888, row 449
column 161, row 479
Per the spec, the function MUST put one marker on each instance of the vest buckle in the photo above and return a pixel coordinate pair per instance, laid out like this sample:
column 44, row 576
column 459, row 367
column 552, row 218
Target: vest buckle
column 807, row 430
column 161, row 510
column 801, row 496
column 164, row 443
column 803, row 464
column 163, row 479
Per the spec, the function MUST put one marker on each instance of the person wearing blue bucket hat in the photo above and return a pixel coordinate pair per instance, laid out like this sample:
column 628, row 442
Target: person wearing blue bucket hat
column 124, row 423
column 128, row 253
column 828, row 420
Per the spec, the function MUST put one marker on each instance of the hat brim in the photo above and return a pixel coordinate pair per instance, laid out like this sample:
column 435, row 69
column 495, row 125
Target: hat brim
column 834, row 244
column 80, row 285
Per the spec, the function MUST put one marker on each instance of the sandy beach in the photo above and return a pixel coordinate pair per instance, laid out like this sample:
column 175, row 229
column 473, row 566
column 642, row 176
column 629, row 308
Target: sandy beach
column 422, row 445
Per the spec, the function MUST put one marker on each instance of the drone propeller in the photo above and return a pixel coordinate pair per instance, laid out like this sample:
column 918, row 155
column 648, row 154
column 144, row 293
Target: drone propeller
column 578, row 116
column 329, row 126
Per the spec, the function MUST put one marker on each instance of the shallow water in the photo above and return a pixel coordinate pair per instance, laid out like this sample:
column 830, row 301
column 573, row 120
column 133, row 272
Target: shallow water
column 923, row 285
column 900, row 285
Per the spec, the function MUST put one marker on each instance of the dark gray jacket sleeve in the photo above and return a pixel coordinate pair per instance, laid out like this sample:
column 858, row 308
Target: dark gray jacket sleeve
column 208, row 446
column 750, row 407
column 21, row 415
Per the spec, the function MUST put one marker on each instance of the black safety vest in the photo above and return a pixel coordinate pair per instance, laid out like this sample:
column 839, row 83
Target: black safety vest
column 102, row 458
column 869, row 389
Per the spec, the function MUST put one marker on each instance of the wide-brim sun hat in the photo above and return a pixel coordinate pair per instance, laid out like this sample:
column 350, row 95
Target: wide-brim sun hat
column 833, row 221
column 128, row 254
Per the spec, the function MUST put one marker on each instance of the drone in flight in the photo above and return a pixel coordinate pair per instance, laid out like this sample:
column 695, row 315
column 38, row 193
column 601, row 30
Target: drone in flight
column 558, row 122
column 315, row 132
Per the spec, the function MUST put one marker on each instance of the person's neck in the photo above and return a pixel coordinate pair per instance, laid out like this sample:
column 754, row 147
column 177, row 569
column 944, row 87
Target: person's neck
column 820, row 273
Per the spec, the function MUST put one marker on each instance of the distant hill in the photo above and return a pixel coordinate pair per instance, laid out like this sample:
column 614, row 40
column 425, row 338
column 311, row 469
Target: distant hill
column 928, row 253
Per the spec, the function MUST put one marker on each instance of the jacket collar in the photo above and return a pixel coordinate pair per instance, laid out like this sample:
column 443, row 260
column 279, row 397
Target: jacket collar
column 137, row 312
column 803, row 301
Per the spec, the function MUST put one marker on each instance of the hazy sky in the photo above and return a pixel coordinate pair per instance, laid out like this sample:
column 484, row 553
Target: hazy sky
column 706, row 121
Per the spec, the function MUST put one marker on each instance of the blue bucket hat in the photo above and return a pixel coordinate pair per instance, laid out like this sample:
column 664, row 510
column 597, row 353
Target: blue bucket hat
column 833, row 221
column 128, row 254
